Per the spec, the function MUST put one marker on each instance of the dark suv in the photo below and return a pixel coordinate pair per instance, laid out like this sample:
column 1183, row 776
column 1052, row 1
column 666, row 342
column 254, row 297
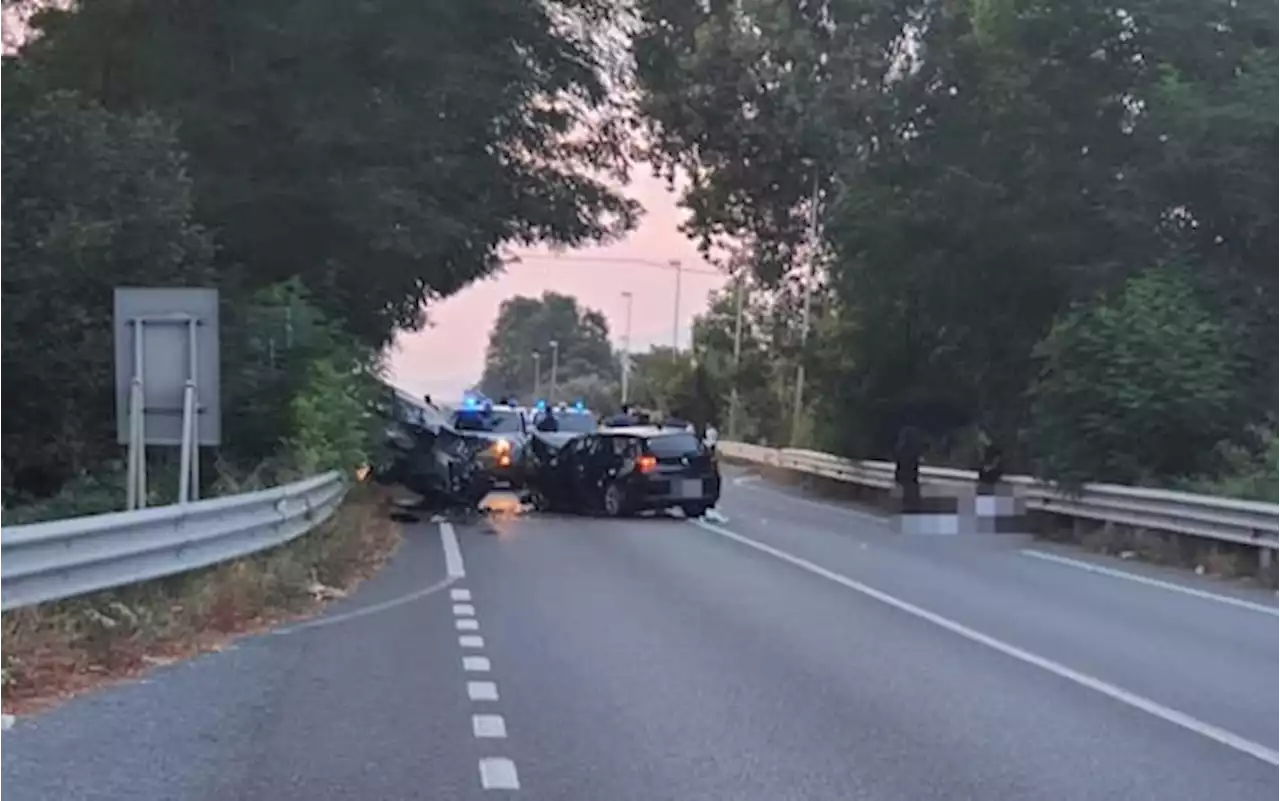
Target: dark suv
column 622, row 471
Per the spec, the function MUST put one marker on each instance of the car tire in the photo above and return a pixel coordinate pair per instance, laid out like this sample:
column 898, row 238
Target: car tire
column 694, row 510
column 613, row 501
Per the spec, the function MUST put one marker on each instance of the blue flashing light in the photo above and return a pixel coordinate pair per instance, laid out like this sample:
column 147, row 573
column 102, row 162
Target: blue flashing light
column 580, row 406
column 542, row 405
column 469, row 402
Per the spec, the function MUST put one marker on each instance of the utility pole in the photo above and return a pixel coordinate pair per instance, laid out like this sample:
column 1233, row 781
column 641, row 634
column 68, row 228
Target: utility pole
column 626, row 348
column 739, row 291
column 675, row 329
column 555, row 362
column 537, row 375
column 808, row 305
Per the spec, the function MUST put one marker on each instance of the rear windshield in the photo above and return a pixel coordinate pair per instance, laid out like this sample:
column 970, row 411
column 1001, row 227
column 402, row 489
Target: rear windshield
column 578, row 423
column 494, row 421
column 669, row 445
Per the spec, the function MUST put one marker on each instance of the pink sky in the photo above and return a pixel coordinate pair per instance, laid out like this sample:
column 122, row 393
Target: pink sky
column 448, row 357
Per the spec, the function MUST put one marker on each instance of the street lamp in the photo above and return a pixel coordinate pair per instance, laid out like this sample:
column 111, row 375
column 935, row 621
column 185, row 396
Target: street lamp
column 739, row 291
column 675, row 329
column 555, row 362
column 808, row 305
column 626, row 348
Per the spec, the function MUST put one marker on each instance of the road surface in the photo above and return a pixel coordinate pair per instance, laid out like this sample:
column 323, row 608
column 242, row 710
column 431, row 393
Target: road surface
column 793, row 650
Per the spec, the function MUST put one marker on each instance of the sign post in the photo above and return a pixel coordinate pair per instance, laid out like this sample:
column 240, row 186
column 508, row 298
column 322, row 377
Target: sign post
column 167, row 381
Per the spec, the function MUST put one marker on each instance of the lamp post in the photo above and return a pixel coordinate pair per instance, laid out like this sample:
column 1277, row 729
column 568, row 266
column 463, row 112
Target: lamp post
column 555, row 362
column 626, row 348
column 808, row 305
column 739, row 291
column 675, row 328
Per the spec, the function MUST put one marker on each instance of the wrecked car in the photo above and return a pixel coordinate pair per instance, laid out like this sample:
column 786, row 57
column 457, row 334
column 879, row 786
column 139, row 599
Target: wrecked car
column 428, row 456
column 622, row 471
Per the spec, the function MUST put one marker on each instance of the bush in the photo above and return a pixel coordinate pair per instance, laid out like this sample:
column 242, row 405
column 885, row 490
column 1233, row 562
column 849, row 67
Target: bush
column 1134, row 389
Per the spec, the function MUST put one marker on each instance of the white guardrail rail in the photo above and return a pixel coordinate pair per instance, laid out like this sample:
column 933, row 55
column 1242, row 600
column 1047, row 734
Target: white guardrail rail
column 1207, row 516
column 64, row 558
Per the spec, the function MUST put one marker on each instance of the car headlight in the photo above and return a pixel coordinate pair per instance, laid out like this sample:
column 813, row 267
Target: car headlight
column 502, row 446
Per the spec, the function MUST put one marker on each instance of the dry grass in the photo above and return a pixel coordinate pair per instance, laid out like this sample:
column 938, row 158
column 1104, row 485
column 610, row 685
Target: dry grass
column 55, row 650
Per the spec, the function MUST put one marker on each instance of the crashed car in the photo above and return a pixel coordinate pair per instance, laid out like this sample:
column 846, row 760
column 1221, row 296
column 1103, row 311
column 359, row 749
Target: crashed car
column 618, row 472
column 504, row 430
column 424, row 453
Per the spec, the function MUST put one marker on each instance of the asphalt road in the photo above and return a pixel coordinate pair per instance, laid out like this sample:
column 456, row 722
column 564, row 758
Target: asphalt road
column 796, row 650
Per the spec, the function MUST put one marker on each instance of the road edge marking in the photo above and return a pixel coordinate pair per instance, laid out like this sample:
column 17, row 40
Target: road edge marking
column 1180, row 719
column 1103, row 570
column 453, row 566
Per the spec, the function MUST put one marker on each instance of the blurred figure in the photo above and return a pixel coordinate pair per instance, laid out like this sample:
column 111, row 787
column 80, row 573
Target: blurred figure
column 548, row 423
column 990, row 467
column 906, row 471
column 623, row 418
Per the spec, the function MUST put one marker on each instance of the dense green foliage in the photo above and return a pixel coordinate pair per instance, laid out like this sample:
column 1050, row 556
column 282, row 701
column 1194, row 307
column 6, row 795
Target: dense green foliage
column 331, row 169
column 994, row 181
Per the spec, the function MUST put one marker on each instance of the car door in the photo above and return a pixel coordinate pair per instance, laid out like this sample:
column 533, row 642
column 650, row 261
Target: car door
column 578, row 468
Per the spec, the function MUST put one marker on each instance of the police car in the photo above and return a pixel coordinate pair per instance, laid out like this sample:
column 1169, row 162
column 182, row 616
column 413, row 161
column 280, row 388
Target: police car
column 575, row 419
column 505, row 426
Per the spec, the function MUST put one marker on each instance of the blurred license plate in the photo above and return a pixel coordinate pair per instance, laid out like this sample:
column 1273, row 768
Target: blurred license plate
column 691, row 488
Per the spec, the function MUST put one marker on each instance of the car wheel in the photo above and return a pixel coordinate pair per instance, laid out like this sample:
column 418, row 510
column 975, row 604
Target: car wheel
column 694, row 510
column 614, row 501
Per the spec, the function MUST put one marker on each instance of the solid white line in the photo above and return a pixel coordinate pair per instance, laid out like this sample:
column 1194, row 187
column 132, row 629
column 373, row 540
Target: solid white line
column 1120, row 694
column 498, row 773
column 367, row 610
column 830, row 507
column 460, row 594
column 452, row 553
column 482, row 691
column 466, row 624
column 1150, row 582
column 464, row 610
column 475, row 664
column 488, row 726
column 471, row 641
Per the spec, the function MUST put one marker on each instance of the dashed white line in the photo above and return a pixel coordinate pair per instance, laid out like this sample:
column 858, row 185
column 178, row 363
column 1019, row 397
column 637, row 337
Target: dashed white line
column 482, row 691
column 1185, row 721
column 464, row 610
column 471, row 641
column 1150, row 582
column 498, row 773
column 452, row 553
column 7, row 721
column 460, row 594
column 475, row 664
column 466, row 624
column 488, row 726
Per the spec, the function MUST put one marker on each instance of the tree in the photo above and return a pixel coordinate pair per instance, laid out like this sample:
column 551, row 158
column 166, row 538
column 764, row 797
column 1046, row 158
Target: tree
column 526, row 326
column 384, row 151
column 93, row 200
column 1136, row 388
column 980, row 168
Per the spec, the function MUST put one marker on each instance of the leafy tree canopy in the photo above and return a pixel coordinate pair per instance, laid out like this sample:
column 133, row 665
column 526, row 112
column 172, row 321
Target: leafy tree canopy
column 382, row 150
column 527, row 326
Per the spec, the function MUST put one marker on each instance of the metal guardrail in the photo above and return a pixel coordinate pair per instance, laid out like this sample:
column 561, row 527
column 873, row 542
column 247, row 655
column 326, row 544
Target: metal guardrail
column 1207, row 516
column 63, row 558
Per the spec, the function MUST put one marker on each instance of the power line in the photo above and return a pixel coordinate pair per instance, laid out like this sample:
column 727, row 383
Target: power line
column 663, row 265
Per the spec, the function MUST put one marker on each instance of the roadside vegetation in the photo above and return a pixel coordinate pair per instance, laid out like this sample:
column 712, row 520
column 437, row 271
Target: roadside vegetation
column 1054, row 222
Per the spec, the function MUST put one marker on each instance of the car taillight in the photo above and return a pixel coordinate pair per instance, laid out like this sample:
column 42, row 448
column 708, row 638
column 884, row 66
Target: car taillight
column 646, row 463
